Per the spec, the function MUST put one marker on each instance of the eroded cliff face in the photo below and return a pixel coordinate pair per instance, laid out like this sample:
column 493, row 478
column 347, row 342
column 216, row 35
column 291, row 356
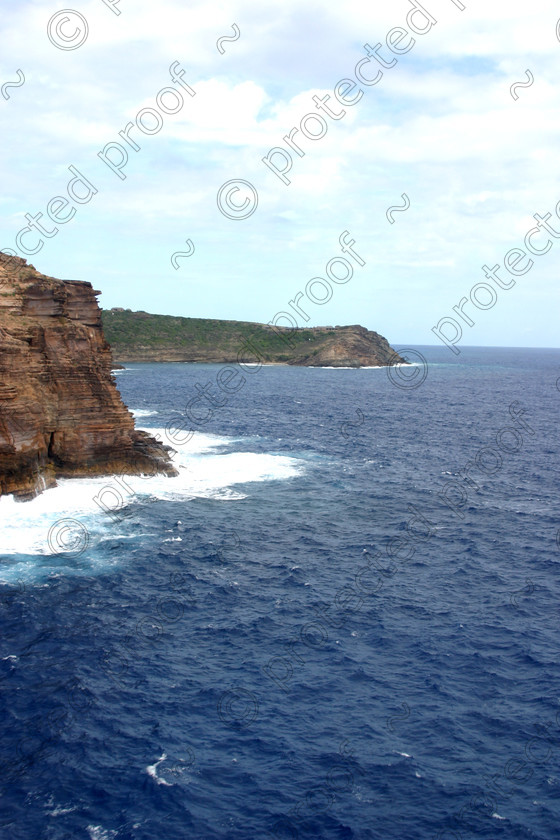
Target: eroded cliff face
column 60, row 412
column 352, row 346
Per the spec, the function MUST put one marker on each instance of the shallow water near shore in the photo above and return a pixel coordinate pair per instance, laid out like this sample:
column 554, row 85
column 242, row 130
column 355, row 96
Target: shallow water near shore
column 339, row 620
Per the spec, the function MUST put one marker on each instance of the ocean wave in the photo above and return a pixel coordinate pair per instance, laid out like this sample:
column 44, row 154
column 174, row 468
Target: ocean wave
column 62, row 519
column 142, row 412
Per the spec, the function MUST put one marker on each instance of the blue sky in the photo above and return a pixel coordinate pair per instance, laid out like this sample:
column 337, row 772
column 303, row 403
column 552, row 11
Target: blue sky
column 440, row 126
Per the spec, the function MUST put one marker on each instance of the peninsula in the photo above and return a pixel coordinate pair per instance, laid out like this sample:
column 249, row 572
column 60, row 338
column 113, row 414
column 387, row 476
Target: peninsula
column 142, row 337
column 61, row 414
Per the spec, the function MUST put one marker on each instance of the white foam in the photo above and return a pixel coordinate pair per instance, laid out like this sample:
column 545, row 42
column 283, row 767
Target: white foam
column 97, row 832
column 151, row 770
column 59, row 810
column 204, row 471
column 142, row 412
column 359, row 367
column 368, row 367
column 199, row 442
column 78, row 511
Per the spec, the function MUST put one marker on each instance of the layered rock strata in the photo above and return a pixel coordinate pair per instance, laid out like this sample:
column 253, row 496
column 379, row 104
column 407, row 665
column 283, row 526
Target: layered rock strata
column 61, row 414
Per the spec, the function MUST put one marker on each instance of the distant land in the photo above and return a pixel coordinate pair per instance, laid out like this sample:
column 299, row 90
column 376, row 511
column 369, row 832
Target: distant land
column 142, row 337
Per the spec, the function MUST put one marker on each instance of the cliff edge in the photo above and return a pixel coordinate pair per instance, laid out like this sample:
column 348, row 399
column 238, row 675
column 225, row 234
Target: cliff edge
column 61, row 414
column 142, row 337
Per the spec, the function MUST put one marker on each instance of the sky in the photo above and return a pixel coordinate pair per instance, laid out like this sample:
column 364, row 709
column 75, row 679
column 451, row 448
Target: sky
column 262, row 146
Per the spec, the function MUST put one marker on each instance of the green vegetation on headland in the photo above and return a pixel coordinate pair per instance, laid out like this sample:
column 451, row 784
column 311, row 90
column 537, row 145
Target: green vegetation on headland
column 141, row 337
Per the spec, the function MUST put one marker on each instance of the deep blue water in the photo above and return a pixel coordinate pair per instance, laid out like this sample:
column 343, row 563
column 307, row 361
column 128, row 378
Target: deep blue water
column 325, row 628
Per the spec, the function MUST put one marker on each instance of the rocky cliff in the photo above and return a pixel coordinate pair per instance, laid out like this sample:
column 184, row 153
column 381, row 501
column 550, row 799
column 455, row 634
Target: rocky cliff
column 60, row 412
column 142, row 337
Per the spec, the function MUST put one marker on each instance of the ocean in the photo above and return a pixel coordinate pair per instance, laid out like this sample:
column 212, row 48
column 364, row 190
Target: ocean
column 339, row 621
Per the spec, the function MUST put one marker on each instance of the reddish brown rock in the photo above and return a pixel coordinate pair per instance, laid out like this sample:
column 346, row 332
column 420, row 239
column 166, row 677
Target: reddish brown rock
column 61, row 414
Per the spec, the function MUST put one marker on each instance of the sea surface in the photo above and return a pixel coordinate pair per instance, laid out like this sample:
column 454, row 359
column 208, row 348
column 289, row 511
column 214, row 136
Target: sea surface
column 341, row 620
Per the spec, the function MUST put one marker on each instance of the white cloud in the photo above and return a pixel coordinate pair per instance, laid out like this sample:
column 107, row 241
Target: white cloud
column 441, row 127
